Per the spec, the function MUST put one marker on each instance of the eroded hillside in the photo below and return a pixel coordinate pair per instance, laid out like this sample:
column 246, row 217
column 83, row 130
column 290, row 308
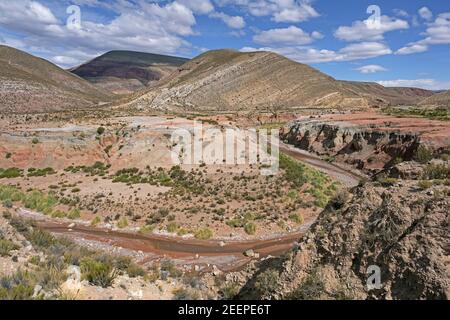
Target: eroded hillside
column 30, row 84
column 227, row 80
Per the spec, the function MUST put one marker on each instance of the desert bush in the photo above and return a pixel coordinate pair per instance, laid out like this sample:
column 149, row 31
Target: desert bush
column 19, row 286
column 297, row 218
column 74, row 214
column 311, row 288
column 172, row 227
column 250, row 228
column 423, row 154
column 100, row 130
column 40, row 172
column 185, row 294
column 266, row 281
column 10, row 173
column 6, row 247
column 230, row 290
column 424, row 184
column 436, row 171
column 8, row 203
column 98, row 273
column 40, row 239
column 122, row 223
column 203, row 234
column 96, row 221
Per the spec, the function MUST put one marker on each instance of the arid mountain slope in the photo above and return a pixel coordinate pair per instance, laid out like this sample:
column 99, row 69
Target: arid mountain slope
column 127, row 71
column 31, row 84
column 388, row 95
column 441, row 99
column 227, row 80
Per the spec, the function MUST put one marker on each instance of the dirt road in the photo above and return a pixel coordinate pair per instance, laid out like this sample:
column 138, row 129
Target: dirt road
column 346, row 177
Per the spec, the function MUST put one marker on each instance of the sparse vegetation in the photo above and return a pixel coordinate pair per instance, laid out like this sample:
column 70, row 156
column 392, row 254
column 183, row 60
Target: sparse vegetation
column 311, row 288
column 433, row 114
column 99, row 273
column 203, row 234
column 423, row 154
column 267, row 281
column 6, row 247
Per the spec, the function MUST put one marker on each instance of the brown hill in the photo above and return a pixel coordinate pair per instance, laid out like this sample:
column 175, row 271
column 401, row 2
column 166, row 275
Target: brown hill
column 123, row 72
column 31, row 84
column 441, row 99
column 228, row 80
column 389, row 95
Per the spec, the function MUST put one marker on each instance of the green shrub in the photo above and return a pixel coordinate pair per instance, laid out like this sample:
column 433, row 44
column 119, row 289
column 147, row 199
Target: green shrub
column 437, row 171
column 10, row 173
column 122, row 223
column 6, row 247
column 297, row 218
column 266, row 281
column 96, row 221
column 35, row 141
column 8, row 203
column 41, row 239
column 98, row 273
column 311, row 288
column 250, row 228
column 424, row 184
column 74, row 214
column 40, row 172
column 19, row 286
column 423, row 154
column 100, row 130
column 172, row 227
column 230, row 290
column 203, row 234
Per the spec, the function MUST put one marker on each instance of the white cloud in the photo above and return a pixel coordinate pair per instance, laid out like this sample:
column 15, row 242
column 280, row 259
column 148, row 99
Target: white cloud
column 425, row 13
column 198, row 6
column 363, row 31
column 235, row 22
column 142, row 26
column 429, row 84
column 371, row 68
column 413, row 48
column 358, row 51
column 286, row 36
column 364, row 50
column 401, row 13
column 280, row 10
column 438, row 32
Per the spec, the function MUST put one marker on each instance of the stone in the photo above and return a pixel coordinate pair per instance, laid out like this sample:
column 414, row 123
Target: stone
column 249, row 253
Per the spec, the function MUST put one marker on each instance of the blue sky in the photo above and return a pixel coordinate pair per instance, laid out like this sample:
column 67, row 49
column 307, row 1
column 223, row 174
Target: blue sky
column 399, row 43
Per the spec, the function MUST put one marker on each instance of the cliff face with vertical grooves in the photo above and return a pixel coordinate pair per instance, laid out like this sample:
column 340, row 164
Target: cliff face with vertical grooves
column 366, row 148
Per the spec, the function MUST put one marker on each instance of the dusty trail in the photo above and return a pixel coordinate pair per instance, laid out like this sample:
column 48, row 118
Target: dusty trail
column 346, row 177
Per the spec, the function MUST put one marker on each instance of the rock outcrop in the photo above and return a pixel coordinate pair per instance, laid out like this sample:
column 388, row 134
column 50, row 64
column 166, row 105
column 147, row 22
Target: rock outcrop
column 401, row 231
column 367, row 148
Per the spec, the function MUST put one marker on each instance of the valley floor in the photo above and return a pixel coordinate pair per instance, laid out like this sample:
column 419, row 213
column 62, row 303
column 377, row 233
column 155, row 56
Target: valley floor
column 109, row 184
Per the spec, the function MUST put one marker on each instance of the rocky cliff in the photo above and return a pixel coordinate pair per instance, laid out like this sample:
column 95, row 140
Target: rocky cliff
column 399, row 229
column 366, row 147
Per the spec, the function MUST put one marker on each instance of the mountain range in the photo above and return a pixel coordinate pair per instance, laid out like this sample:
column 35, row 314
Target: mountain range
column 123, row 72
column 31, row 84
column 218, row 80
